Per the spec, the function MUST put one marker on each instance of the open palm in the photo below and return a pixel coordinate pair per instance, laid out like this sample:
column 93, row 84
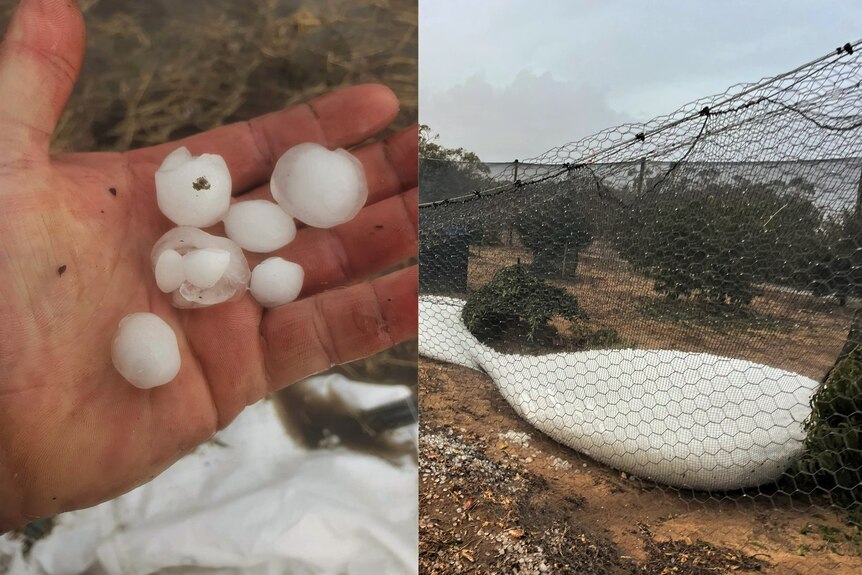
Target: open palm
column 76, row 232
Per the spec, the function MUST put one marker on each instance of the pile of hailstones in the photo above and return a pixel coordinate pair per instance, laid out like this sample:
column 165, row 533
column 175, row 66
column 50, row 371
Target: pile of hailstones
column 310, row 183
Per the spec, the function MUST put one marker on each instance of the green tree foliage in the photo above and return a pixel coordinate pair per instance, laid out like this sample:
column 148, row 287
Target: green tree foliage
column 716, row 241
column 832, row 462
column 448, row 172
column 555, row 224
column 838, row 270
column 452, row 172
column 514, row 296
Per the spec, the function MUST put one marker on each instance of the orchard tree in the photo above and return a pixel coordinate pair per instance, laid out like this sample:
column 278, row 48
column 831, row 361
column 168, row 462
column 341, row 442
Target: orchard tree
column 838, row 270
column 555, row 223
column 716, row 240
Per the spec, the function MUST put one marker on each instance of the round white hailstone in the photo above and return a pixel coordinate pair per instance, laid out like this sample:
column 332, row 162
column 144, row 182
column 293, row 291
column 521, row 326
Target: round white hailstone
column 320, row 187
column 169, row 271
column 145, row 350
column 259, row 226
column 205, row 267
column 276, row 281
column 232, row 281
column 193, row 191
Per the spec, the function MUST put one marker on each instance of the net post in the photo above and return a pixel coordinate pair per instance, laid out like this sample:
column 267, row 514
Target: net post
column 859, row 195
column 512, row 224
column 640, row 187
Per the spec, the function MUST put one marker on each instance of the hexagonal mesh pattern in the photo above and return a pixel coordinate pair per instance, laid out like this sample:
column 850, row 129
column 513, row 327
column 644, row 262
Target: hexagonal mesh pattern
column 678, row 300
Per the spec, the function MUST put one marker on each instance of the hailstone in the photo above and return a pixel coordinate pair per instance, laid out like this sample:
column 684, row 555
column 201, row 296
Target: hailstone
column 145, row 350
column 193, row 190
column 259, row 226
column 205, row 267
column 169, row 271
column 276, row 281
column 320, row 187
column 204, row 257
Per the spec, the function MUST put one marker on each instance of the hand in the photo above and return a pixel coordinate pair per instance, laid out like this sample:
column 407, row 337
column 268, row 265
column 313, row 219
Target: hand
column 76, row 232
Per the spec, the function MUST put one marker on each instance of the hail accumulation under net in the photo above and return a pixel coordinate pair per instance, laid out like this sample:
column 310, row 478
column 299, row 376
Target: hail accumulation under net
column 678, row 299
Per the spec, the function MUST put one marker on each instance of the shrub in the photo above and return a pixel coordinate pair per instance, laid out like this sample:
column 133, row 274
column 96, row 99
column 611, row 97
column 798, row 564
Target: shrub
column 583, row 337
column 514, row 296
column 832, row 462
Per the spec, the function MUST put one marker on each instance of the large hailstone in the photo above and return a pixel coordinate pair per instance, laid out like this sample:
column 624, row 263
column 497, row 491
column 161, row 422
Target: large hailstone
column 193, row 191
column 169, row 271
column 259, row 226
column 320, row 187
column 213, row 269
column 204, row 268
column 276, row 281
column 145, row 350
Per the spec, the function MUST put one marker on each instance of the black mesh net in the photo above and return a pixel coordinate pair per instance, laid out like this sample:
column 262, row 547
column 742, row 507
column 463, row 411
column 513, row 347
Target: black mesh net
column 677, row 300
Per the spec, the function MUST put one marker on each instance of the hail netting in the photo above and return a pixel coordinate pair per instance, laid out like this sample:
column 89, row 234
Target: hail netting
column 669, row 297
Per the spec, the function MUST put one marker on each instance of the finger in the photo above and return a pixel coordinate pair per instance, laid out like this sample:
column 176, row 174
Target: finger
column 234, row 372
column 391, row 166
column 338, row 119
column 337, row 326
column 39, row 64
column 381, row 236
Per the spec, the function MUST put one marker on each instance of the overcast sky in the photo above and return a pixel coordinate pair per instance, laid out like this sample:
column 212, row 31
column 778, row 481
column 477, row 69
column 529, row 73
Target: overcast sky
column 513, row 78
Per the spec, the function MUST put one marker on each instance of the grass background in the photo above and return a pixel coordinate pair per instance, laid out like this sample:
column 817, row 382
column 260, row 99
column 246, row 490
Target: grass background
column 162, row 69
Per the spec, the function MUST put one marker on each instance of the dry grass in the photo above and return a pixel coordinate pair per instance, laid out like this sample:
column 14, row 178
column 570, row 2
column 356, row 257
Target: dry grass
column 159, row 70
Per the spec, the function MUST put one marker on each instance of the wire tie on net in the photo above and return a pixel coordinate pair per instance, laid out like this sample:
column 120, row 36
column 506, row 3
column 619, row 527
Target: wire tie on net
column 640, row 136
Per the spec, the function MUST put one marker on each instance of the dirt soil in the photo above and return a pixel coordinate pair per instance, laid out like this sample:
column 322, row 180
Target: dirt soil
column 496, row 496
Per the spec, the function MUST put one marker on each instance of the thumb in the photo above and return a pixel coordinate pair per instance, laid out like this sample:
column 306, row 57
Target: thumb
column 40, row 60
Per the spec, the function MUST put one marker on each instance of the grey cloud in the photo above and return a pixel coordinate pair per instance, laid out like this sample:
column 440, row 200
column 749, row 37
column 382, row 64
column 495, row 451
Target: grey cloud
column 619, row 60
column 519, row 120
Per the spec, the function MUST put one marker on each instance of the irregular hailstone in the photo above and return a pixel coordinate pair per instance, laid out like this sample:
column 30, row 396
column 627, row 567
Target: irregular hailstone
column 169, row 271
column 145, row 350
column 193, row 191
column 320, row 187
column 205, row 267
column 276, row 281
column 259, row 226
column 232, row 279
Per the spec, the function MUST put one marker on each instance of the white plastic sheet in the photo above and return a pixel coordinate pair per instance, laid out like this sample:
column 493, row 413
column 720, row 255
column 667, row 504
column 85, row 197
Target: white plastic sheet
column 259, row 504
